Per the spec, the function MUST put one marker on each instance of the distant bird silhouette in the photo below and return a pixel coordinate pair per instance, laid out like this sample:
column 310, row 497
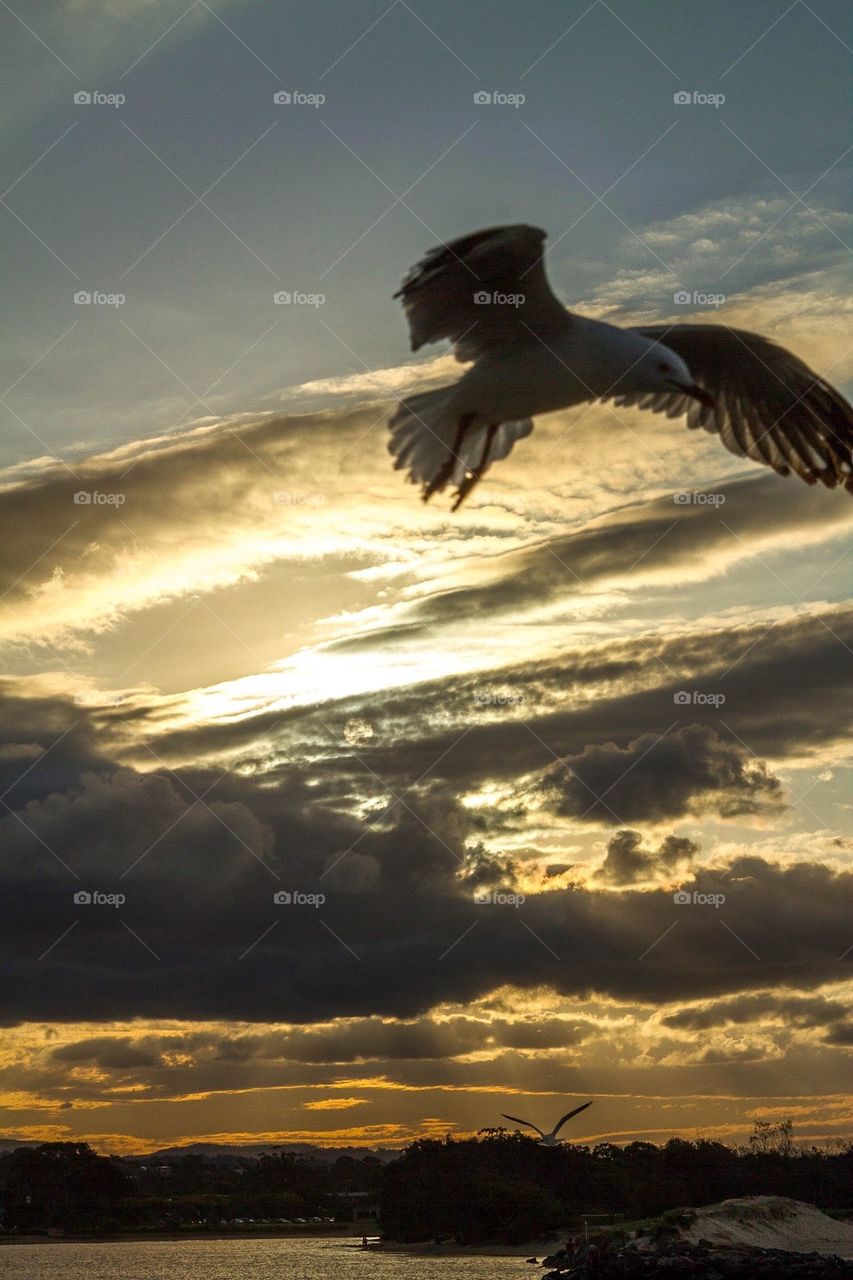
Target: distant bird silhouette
column 549, row 1139
column 488, row 293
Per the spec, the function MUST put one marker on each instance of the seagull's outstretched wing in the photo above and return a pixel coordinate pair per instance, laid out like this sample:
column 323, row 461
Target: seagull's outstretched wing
column 527, row 1123
column 444, row 295
column 770, row 406
column 558, row 1126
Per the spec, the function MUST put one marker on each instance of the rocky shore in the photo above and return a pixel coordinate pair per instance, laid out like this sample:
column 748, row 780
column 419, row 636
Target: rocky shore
column 680, row 1259
column 761, row 1236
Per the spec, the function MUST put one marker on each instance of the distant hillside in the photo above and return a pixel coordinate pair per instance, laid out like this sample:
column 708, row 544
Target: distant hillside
column 241, row 1151
column 254, row 1150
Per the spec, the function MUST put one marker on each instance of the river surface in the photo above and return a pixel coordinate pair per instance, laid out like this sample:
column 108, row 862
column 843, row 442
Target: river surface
column 315, row 1259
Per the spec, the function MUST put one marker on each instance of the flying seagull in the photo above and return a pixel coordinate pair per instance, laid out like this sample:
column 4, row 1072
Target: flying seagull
column 549, row 1139
column 489, row 294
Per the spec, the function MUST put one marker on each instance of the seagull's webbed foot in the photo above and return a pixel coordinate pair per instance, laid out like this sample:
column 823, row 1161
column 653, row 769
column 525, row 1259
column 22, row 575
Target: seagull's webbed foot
column 473, row 478
column 444, row 472
column 439, row 480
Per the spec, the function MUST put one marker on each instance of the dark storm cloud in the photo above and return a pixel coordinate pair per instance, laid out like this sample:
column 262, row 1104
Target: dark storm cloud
column 798, row 1011
column 654, row 778
column 199, row 934
column 45, row 744
column 628, row 861
column 162, row 1063
column 398, row 932
column 786, row 685
column 841, row 1035
column 372, row 1039
column 110, row 1053
column 483, row 868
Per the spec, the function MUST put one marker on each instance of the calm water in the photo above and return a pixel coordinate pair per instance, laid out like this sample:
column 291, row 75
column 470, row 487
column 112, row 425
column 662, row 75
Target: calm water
column 239, row 1259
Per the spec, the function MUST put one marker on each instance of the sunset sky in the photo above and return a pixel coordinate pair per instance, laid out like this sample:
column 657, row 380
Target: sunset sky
column 251, row 662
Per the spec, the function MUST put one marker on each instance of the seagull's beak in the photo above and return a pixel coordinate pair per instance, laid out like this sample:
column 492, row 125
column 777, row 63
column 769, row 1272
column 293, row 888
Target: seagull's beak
column 696, row 393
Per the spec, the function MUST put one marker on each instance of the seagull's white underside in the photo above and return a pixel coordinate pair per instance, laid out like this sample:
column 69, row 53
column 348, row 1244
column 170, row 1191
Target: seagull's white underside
column 584, row 361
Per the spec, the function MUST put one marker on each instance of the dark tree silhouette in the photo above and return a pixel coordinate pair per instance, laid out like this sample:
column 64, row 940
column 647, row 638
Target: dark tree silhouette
column 506, row 1186
column 63, row 1185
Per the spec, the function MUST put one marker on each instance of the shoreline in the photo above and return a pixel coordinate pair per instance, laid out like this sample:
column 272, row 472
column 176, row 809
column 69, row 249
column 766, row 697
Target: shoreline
column 135, row 1237
column 352, row 1241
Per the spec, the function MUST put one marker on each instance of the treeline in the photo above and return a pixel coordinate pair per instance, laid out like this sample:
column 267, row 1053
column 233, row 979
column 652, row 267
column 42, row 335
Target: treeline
column 499, row 1186
column 505, row 1187
column 67, row 1187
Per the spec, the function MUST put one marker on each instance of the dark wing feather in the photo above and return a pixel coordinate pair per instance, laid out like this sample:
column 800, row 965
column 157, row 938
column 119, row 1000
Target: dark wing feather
column 558, row 1126
column 526, row 1123
column 770, row 406
column 439, row 292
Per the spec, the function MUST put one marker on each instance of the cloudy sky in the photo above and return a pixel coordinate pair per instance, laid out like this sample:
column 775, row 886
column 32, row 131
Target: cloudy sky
column 392, row 812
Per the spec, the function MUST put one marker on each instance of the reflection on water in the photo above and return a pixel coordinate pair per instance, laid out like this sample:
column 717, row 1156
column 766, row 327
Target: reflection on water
column 316, row 1259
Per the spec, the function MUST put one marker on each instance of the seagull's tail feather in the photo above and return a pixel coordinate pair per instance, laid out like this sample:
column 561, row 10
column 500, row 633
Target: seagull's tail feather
column 422, row 434
column 438, row 448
